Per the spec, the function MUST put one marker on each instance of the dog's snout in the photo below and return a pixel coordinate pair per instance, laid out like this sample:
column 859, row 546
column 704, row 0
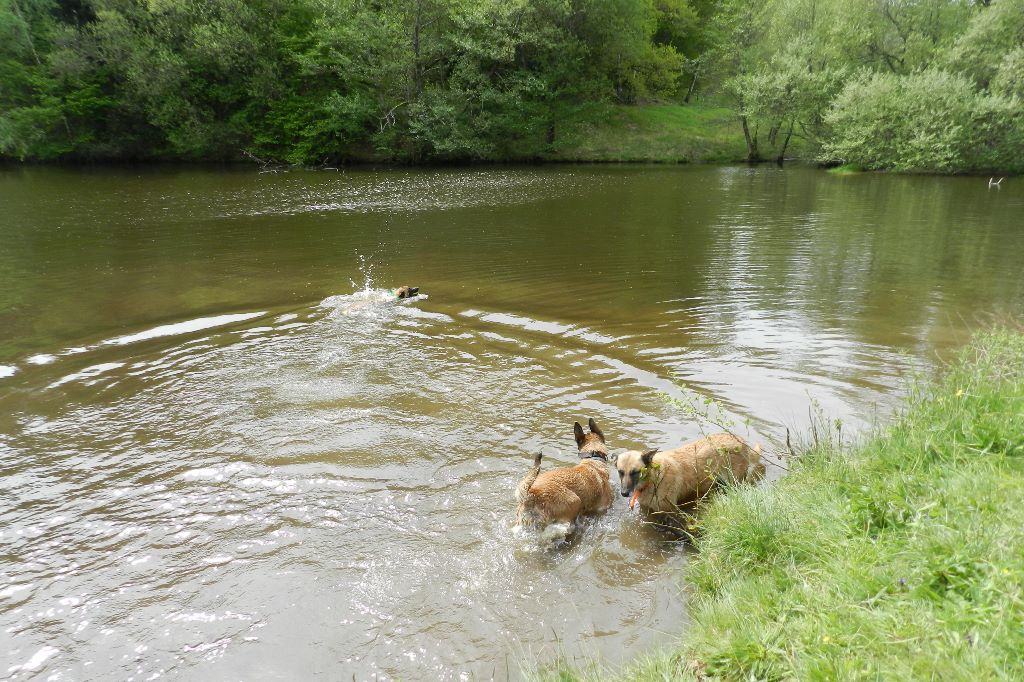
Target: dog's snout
column 625, row 493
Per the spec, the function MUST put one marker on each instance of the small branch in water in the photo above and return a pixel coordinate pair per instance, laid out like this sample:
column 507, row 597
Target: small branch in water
column 248, row 154
column 265, row 165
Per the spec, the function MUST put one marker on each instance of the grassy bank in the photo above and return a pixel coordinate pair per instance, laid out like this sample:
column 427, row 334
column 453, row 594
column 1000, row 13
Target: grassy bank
column 666, row 133
column 590, row 133
column 901, row 558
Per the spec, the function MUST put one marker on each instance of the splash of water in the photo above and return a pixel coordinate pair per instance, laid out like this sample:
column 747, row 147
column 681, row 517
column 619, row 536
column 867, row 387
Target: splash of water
column 367, row 299
column 366, row 270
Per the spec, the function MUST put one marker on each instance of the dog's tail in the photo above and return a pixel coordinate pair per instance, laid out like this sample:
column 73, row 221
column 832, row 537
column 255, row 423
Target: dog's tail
column 523, row 491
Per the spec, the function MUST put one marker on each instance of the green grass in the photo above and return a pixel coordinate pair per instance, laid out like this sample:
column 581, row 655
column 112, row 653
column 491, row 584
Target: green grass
column 664, row 133
column 899, row 559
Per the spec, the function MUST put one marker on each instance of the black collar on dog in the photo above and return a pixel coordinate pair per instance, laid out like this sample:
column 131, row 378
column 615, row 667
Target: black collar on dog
column 596, row 455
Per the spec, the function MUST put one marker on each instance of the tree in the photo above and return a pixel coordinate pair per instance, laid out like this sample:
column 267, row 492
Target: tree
column 984, row 50
column 931, row 120
column 790, row 95
column 738, row 47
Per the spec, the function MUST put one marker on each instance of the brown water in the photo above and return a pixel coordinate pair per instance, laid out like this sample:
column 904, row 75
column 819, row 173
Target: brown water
column 209, row 471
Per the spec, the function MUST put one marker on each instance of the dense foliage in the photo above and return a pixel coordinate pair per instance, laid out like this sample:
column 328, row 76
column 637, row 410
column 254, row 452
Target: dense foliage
column 927, row 120
column 312, row 80
column 932, row 85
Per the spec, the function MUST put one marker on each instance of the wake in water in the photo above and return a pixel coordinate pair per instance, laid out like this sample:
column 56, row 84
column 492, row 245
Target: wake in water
column 369, row 302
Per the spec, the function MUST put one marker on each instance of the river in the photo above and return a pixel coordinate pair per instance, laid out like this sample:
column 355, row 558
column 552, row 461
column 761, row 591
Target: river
column 218, row 462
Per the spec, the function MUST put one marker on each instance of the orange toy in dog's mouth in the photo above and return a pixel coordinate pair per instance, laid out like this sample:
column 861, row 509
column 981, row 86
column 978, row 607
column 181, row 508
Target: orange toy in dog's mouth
column 636, row 496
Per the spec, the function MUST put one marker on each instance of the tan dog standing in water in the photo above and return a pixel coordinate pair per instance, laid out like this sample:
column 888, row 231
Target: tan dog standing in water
column 662, row 482
column 561, row 495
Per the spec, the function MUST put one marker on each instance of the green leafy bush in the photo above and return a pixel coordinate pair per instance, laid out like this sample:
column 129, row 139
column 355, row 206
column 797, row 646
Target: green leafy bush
column 931, row 120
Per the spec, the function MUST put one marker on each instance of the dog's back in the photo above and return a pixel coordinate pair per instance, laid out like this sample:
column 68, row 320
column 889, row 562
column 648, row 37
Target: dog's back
column 661, row 482
column 691, row 470
column 561, row 495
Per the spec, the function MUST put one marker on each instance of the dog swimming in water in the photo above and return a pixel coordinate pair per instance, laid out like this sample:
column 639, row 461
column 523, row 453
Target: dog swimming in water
column 406, row 292
column 562, row 495
column 368, row 301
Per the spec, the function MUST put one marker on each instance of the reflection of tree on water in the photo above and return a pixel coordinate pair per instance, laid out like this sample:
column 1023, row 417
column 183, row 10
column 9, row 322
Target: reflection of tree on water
column 895, row 259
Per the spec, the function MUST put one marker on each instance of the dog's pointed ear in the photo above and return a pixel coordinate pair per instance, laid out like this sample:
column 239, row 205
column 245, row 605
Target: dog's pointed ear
column 577, row 431
column 594, row 428
column 648, row 456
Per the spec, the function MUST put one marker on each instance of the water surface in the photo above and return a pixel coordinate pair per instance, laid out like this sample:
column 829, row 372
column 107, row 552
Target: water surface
column 213, row 467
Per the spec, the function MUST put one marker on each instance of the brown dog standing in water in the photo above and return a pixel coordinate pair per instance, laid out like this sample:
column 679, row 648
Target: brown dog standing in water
column 561, row 495
column 662, row 482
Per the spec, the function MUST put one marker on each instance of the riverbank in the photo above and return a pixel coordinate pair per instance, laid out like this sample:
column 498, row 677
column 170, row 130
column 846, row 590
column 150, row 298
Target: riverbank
column 661, row 133
column 899, row 558
column 664, row 133
column 590, row 133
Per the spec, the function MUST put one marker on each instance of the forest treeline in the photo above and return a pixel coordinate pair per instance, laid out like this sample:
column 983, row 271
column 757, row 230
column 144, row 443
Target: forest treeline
column 932, row 85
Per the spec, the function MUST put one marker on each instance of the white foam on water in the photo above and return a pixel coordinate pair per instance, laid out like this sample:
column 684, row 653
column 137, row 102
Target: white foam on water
column 37, row 660
column 14, row 589
column 255, row 331
column 175, row 329
column 556, row 532
column 549, row 327
column 528, row 323
column 504, row 339
column 215, row 473
column 278, row 485
column 366, row 302
column 182, row 328
column 87, row 373
column 595, row 337
column 41, row 359
column 423, row 314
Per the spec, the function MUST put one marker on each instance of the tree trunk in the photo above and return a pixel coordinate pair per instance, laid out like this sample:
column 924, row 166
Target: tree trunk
column 417, row 76
column 693, row 86
column 785, row 143
column 35, row 55
column 752, row 154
